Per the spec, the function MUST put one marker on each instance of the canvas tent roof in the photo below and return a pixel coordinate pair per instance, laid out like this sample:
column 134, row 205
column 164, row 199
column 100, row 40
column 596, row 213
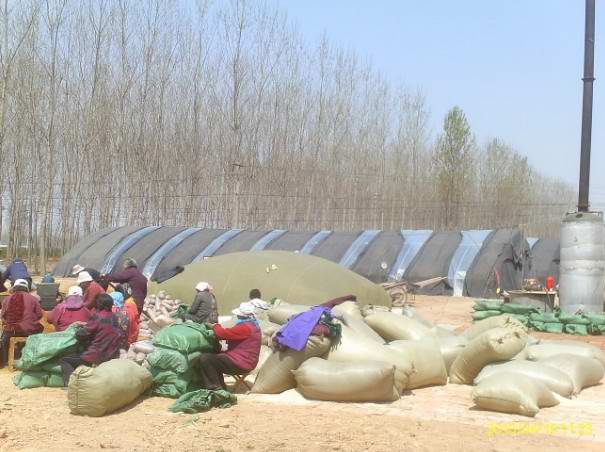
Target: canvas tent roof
column 293, row 277
column 376, row 255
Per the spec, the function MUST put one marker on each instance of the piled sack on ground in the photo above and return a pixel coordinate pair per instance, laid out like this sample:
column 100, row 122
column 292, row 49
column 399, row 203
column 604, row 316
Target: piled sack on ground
column 177, row 348
column 96, row 391
column 40, row 358
column 138, row 352
column 533, row 317
column 378, row 356
column 158, row 311
column 522, row 382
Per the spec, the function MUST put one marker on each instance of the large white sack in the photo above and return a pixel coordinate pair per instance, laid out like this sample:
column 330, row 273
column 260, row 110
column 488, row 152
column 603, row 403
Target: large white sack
column 276, row 376
column 413, row 314
column 96, row 391
column 497, row 344
column 450, row 347
column 554, row 379
column 366, row 381
column 513, row 393
column 546, row 349
column 361, row 328
column 429, row 367
column 348, row 307
column 499, row 321
column 282, row 312
column 583, row 371
column 268, row 329
column 395, row 327
column 265, row 353
column 354, row 348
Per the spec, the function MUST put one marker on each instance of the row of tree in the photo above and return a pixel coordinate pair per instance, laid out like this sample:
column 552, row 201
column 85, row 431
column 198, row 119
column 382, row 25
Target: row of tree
column 115, row 112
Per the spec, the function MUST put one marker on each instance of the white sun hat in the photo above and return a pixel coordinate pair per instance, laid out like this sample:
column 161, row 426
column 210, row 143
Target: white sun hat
column 84, row 277
column 74, row 290
column 246, row 309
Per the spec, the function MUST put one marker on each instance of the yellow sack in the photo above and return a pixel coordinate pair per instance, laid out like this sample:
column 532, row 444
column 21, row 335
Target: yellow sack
column 582, row 371
column 429, row 367
column 554, row 379
column 355, row 348
column 366, row 381
column 450, row 348
column 513, row 393
column 110, row 386
column 395, row 327
column 282, row 312
column 275, row 375
column 497, row 344
column 499, row 321
column 546, row 349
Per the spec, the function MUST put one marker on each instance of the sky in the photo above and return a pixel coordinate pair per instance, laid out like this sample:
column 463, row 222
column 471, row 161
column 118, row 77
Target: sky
column 514, row 67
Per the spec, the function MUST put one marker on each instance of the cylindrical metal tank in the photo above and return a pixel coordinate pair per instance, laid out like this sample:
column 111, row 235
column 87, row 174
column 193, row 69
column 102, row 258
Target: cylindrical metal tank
column 582, row 267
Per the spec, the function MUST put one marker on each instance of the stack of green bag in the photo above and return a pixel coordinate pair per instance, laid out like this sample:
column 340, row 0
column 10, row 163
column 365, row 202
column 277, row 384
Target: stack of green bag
column 549, row 322
column 177, row 348
column 40, row 358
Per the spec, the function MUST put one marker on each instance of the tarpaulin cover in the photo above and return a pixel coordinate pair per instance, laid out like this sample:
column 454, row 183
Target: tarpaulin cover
column 545, row 257
column 187, row 250
column 203, row 400
column 502, row 259
column 335, row 246
column 291, row 241
column 111, row 259
column 413, row 242
column 383, row 250
column 358, row 247
column 156, row 258
column 243, row 241
column 433, row 261
column 296, row 278
column 463, row 258
column 144, row 248
column 69, row 259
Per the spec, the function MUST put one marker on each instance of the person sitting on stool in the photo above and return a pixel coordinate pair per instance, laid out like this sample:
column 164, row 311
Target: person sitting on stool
column 243, row 349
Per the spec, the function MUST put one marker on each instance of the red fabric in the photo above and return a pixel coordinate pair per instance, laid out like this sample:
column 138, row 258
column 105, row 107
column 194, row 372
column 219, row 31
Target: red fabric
column 243, row 344
column 132, row 313
column 103, row 335
column 90, row 295
column 14, row 311
column 31, row 313
column 336, row 301
column 61, row 317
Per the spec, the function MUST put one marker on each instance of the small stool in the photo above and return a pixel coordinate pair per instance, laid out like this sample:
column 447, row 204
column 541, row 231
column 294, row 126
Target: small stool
column 12, row 342
column 241, row 380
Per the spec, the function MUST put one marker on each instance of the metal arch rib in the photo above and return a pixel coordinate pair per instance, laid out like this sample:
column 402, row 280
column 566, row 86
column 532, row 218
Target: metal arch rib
column 267, row 239
column 126, row 243
column 358, row 246
column 314, row 241
column 216, row 244
column 413, row 241
column 152, row 263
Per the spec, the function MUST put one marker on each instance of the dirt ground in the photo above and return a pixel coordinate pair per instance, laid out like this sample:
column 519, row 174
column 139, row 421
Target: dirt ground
column 436, row 418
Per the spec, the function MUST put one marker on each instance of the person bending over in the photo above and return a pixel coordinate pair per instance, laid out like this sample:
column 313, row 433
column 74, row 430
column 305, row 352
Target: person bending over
column 243, row 349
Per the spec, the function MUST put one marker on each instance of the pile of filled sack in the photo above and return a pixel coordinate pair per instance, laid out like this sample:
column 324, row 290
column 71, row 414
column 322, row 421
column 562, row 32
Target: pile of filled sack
column 158, row 311
column 534, row 318
column 381, row 354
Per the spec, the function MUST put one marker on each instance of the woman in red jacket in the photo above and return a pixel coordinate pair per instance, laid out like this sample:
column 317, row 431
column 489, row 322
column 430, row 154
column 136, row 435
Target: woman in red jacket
column 243, row 349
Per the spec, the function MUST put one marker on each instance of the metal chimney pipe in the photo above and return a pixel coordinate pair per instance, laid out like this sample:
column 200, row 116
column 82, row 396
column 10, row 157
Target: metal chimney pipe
column 588, row 79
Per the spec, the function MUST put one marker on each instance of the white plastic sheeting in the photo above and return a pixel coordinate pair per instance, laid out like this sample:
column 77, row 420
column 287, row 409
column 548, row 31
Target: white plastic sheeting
column 155, row 259
column 314, row 241
column 125, row 244
column 531, row 241
column 358, row 246
column 463, row 258
column 216, row 244
column 267, row 239
column 412, row 242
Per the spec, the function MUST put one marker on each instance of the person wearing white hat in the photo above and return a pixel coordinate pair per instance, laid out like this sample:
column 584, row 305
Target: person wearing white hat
column 90, row 288
column 243, row 349
column 70, row 311
column 204, row 308
column 21, row 313
column 95, row 274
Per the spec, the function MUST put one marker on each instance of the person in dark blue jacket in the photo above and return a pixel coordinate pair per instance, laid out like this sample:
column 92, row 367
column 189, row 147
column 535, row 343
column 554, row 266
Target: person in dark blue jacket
column 17, row 270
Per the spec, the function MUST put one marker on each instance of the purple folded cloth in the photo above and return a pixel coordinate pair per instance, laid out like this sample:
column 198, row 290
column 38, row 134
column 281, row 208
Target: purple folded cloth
column 296, row 332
